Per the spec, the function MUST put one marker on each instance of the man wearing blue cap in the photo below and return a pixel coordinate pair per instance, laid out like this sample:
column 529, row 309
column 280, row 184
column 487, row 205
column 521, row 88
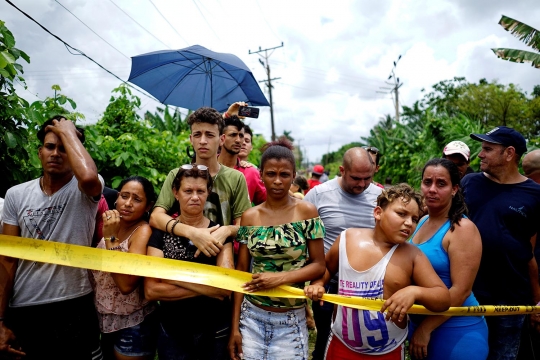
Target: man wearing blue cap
column 505, row 206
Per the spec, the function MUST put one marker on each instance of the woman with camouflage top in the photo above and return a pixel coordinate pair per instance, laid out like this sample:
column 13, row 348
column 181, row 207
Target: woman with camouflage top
column 277, row 234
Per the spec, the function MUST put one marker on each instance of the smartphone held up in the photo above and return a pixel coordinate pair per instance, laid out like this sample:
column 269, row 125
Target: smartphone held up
column 248, row 111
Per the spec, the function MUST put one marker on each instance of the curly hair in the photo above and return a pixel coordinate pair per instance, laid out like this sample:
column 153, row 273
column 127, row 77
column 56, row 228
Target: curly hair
column 234, row 121
column 206, row 115
column 458, row 207
column 400, row 191
column 280, row 149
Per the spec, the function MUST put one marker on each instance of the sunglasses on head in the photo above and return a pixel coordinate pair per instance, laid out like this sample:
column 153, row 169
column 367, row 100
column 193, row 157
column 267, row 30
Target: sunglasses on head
column 194, row 166
column 372, row 149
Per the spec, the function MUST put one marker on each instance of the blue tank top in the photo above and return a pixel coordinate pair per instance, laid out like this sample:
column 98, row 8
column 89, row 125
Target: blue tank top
column 440, row 261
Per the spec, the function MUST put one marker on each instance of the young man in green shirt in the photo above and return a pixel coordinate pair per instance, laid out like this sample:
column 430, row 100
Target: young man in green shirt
column 229, row 197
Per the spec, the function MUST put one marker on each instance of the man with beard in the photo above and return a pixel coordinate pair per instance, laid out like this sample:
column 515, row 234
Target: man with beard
column 505, row 206
column 233, row 138
column 344, row 202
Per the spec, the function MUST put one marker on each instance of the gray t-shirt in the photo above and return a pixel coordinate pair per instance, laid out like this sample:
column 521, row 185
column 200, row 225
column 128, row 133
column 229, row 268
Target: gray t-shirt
column 340, row 210
column 68, row 216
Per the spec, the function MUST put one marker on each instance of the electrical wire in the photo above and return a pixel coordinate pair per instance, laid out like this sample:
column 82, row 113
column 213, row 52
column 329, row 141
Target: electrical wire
column 135, row 21
column 204, row 17
column 164, row 18
column 89, row 28
column 315, row 90
column 79, row 52
column 264, row 18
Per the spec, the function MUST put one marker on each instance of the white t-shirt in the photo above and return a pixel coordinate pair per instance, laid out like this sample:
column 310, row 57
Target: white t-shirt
column 68, row 216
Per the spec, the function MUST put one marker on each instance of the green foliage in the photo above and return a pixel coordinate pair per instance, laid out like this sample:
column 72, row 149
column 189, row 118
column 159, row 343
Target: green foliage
column 163, row 120
column 452, row 110
column 122, row 144
column 529, row 35
column 15, row 161
column 258, row 141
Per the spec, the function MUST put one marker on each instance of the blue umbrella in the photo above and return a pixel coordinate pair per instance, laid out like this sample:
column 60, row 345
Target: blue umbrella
column 195, row 77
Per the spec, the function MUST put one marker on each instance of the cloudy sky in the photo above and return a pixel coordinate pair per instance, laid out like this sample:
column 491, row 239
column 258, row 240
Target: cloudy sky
column 336, row 54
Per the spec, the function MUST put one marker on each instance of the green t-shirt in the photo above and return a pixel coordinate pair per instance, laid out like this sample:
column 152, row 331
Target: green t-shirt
column 228, row 200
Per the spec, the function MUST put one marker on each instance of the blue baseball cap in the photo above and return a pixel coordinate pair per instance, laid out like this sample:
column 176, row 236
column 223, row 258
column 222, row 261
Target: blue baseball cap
column 504, row 136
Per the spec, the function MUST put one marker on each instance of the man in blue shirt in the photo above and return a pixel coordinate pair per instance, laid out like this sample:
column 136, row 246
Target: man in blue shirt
column 505, row 206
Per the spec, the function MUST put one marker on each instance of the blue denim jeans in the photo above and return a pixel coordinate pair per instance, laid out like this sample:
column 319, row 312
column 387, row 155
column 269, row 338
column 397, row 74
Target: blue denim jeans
column 196, row 345
column 137, row 340
column 269, row 335
column 504, row 333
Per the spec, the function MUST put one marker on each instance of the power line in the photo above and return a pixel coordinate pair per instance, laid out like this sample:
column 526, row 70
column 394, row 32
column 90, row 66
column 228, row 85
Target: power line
column 204, row 17
column 89, row 28
column 323, row 72
column 135, row 21
column 79, row 52
column 316, row 90
column 264, row 18
column 268, row 81
column 164, row 18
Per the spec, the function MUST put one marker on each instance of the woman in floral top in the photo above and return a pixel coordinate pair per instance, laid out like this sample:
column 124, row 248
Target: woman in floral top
column 278, row 235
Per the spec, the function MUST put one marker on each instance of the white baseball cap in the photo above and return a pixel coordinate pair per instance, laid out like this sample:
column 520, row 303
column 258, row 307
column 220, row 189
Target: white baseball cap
column 457, row 147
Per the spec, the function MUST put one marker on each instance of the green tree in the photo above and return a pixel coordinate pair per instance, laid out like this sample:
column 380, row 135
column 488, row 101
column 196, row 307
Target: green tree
column 15, row 161
column 529, row 35
column 122, row 144
column 163, row 120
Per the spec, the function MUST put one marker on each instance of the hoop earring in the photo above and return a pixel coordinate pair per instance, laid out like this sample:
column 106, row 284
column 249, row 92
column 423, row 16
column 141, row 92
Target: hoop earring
column 114, row 204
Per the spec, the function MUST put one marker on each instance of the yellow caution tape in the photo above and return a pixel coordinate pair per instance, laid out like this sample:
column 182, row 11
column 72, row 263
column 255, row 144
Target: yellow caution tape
column 149, row 266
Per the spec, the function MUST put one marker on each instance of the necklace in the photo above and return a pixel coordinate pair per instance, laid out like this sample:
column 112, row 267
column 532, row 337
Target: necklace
column 43, row 187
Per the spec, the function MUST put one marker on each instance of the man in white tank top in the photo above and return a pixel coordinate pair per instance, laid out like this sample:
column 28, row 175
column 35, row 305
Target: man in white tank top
column 379, row 263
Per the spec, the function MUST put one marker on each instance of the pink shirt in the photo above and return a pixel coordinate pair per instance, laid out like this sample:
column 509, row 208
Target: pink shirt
column 256, row 189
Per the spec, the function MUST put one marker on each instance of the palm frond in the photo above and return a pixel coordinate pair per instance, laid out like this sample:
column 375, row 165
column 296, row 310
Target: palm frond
column 523, row 32
column 518, row 56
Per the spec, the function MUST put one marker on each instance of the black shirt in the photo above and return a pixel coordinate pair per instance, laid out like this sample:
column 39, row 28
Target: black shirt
column 196, row 314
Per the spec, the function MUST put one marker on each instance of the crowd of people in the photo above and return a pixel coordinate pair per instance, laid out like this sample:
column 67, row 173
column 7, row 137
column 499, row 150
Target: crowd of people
column 466, row 238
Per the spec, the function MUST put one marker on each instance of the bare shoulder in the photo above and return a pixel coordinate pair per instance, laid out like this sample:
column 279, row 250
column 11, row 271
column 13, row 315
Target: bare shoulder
column 465, row 226
column 250, row 216
column 363, row 233
column 143, row 229
column 464, row 232
column 142, row 234
column 306, row 209
column 408, row 249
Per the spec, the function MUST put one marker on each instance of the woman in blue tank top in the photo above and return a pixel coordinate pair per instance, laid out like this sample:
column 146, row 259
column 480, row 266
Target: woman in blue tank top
column 453, row 245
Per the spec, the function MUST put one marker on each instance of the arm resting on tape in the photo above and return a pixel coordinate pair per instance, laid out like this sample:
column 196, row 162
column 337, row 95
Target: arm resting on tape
column 169, row 290
column 8, row 266
column 156, row 289
column 224, row 260
column 315, row 290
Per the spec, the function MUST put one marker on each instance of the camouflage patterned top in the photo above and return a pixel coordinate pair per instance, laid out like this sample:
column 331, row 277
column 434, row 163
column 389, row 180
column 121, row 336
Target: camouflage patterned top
column 280, row 248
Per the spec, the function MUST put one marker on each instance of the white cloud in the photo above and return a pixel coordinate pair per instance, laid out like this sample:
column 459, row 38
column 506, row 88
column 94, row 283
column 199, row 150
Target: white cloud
column 336, row 56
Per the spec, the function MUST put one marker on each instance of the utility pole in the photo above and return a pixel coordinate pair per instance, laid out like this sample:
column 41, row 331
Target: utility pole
column 394, row 90
column 268, row 82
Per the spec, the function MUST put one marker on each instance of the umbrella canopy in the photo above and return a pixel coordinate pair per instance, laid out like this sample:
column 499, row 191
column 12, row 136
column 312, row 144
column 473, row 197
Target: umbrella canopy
column 195, row 77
